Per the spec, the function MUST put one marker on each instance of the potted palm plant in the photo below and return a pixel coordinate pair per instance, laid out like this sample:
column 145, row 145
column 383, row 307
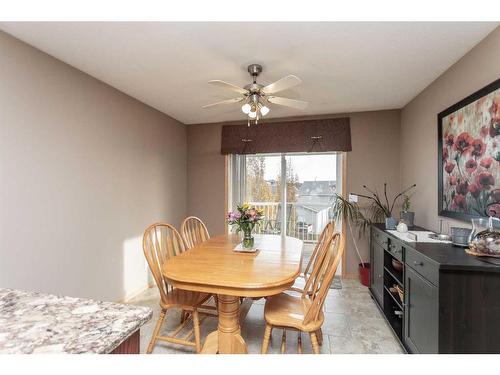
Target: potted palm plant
column 376, row 212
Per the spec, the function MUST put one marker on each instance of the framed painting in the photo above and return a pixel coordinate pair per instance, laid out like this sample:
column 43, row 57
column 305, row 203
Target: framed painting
column 469, row 156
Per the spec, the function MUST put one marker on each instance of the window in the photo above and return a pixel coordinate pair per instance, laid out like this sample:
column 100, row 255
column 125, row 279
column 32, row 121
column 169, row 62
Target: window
column 299, row 207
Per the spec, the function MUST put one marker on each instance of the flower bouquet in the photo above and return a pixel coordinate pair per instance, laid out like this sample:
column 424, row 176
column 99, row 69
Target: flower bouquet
column 244, row 219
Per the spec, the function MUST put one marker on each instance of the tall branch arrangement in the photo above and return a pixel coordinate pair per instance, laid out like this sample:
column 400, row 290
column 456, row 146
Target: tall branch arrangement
column 380, row 207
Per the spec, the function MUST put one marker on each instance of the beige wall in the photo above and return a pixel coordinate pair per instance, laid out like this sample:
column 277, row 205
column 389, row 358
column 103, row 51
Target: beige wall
column 475, row 70
column 84, row 170
column 373, row 161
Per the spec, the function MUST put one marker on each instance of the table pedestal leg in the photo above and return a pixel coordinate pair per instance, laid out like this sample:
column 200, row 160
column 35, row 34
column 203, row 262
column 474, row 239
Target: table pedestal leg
column 227, row 339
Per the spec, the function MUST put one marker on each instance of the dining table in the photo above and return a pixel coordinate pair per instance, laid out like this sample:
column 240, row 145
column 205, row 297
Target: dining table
column 236, row 278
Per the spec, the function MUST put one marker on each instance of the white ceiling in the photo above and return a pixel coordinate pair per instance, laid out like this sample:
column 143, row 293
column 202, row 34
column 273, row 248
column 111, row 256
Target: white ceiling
column 345, row 67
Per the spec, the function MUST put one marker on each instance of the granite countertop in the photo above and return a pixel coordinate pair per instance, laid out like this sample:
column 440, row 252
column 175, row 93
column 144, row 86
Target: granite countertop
column 33, row 322
column 448, row 256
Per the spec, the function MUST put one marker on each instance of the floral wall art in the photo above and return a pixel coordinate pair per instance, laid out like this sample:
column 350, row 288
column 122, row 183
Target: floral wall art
column 469, row 160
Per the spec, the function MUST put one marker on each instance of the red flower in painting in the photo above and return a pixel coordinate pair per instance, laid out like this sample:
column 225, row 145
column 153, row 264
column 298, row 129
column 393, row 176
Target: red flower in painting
column 474, row 190
column 485, row 180
column 449, row 166
column 495, row 194
column 494, row 210
column 486, row 162
column 463, row 143
column 449, row 140
column 462, row 188
column 453, row 180
column 445, row 153
column 459, row 202
column 484, row 131
column 478, row 148
column 471, row 165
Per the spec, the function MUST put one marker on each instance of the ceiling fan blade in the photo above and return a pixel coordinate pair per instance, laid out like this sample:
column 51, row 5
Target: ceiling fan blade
column 282, row 84
column 228, row 85
column 299, row 104
column 228, row 101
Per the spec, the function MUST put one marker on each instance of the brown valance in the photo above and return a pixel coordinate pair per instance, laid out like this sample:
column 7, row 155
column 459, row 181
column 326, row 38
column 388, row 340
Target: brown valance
column 287, row 136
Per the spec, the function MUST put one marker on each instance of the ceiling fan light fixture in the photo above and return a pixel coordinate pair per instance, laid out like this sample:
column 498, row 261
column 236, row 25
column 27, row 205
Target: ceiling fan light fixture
column 264, row 110
column 246, row 108
column 252, row 114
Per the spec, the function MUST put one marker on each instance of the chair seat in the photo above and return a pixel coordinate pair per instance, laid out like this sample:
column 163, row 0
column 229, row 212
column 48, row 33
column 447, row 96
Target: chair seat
column 284, row 310
column 184, row 299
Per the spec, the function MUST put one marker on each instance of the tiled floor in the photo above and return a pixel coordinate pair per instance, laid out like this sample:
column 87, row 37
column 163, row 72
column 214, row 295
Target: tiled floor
column 353, row 324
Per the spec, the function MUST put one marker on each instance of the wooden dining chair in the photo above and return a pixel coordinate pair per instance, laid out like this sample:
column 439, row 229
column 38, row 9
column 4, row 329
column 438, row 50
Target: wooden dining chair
column 194, row 231
column 304, row 313
column 161, row 241
column 325, row 235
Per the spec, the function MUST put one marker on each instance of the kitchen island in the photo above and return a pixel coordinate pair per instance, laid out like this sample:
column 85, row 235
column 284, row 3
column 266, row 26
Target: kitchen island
column 33, row 322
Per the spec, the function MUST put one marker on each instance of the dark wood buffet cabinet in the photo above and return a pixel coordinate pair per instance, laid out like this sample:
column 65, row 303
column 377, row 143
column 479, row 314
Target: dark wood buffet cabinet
column 451, row 301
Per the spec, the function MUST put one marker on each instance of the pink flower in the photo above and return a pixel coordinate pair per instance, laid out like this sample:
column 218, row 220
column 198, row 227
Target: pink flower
column 459, row 202
column 484, row 131
column 474, row 190
column 485, row 180
column 449, row 166
column 471, row 165
column 463, row 143
column 453, row 180
column 486, row 162
column 478, row 148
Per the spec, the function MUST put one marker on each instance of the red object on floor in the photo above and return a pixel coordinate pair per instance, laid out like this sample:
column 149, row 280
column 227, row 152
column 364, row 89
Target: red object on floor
column 364, row 274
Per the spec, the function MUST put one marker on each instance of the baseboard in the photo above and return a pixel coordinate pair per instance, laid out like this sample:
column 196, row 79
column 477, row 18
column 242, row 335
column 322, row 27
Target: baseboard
column 135, row 293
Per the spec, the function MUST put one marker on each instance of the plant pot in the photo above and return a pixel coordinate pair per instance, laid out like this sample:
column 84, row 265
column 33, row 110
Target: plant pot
column 390, row 223
column 408, row 217
column 364, row 274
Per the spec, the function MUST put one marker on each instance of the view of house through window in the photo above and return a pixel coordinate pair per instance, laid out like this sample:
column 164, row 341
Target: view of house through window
column 310, row 182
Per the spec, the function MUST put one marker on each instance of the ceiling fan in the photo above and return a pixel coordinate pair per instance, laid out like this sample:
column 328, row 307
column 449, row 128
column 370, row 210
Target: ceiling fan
column 256, row 97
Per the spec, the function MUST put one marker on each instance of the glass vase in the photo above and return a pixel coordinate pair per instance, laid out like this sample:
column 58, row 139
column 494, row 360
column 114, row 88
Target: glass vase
column 248, row 240
column 485, row 236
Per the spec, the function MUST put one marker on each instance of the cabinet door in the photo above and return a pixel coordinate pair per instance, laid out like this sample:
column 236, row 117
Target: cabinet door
column 421, row 313
column 378, row 272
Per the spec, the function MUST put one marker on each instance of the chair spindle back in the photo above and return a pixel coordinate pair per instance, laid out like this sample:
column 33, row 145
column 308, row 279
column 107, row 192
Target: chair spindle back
column 160, row 242
column 322, row 275
column 194, row 231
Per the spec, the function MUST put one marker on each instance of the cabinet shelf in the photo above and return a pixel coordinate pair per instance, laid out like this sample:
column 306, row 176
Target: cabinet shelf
column 392, row 272
column 393, row 297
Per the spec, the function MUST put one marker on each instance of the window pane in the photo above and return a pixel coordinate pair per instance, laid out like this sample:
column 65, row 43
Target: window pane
column 263, row 190
column 311, row 185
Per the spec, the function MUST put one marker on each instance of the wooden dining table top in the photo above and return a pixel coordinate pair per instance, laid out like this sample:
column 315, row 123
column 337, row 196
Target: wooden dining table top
column 214, row 267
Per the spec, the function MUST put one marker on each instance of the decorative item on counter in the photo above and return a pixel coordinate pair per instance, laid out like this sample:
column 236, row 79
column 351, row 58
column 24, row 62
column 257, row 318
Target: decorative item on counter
column 485, row 237
column 402, row 227
column 244, row 219
column 398, row 266
column 460, row 236
column 406, row 215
